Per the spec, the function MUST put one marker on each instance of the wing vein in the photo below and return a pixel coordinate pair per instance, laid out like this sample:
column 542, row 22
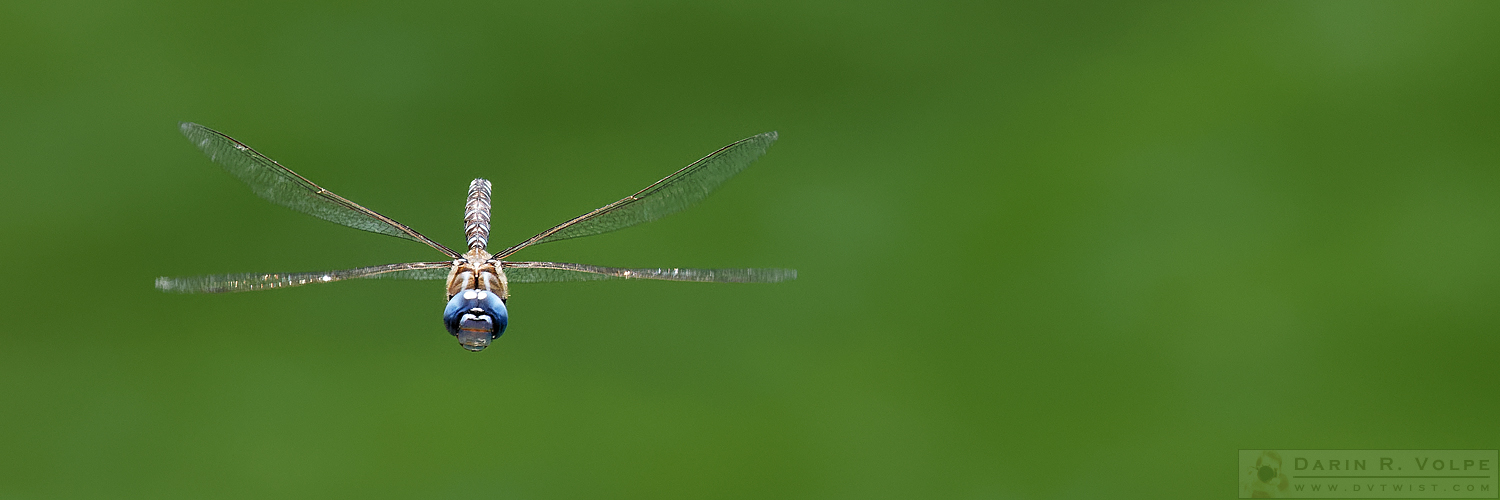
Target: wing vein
column 673, row 193
column 280, row 185
column 540, row 272
column 245, row 282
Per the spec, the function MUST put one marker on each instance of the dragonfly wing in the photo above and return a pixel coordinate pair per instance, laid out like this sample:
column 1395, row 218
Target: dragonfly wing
column 673, row 193
column 284, row 187
column 539, row 272
column 264, row 281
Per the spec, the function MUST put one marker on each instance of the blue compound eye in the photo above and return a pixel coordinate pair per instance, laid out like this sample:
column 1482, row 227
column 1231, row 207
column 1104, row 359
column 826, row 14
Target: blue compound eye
column 476, row 317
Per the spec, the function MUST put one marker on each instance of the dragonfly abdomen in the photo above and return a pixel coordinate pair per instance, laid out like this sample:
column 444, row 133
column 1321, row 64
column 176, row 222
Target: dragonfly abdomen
column 477, row 214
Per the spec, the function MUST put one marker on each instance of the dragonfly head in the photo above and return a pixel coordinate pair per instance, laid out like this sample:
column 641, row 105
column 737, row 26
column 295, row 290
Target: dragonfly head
column 476, row 317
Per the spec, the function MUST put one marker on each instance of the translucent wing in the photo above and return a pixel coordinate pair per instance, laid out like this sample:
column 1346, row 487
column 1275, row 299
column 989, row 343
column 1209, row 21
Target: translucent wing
column 675, row 192
column 538, row 272
column 284, row 187
column 247, row 282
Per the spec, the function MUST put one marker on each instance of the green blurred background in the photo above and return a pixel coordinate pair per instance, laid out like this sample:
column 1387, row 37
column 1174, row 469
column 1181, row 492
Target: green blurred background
column 1052, row 250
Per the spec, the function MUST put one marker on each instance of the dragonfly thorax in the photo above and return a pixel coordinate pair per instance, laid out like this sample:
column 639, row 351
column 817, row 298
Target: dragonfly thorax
column 477, row 271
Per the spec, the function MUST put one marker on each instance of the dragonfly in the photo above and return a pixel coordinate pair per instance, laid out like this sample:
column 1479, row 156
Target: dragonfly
column 478, row 282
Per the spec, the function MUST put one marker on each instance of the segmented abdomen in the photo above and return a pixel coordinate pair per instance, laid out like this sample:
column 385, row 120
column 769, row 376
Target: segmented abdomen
column 477, row 214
